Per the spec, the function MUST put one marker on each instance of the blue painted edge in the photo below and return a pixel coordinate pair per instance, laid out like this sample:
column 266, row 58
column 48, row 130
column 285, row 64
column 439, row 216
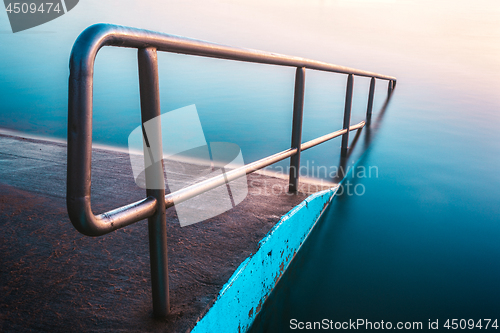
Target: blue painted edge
column 241, row 298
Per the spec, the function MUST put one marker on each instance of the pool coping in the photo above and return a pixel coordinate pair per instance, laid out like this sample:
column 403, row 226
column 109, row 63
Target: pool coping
column 241, row 298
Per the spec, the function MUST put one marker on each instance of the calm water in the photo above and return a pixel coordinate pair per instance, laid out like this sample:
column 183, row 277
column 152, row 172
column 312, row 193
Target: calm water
column 422, row 241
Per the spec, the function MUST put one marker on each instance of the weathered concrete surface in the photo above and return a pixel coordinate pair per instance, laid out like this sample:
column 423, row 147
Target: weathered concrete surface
column 54, row 279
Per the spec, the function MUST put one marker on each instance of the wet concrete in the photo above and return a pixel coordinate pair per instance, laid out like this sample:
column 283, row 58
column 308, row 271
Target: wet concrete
column 54, row 279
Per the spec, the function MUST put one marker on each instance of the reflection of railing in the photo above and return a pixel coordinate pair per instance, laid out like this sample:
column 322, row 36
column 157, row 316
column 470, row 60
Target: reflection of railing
column 153, row 207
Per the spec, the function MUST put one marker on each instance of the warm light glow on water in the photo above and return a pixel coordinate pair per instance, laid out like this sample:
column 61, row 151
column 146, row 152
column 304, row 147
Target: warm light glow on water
column 422, row 242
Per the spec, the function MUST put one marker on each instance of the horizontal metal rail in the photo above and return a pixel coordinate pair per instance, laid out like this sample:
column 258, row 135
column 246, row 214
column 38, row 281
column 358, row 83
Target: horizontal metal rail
column 80, row 110
column 324, row 138
column 96, row 36
column 146, row 207
column 206, row 185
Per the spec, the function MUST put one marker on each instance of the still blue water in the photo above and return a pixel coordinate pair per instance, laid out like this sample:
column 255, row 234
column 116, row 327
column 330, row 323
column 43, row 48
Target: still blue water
column 422, row 242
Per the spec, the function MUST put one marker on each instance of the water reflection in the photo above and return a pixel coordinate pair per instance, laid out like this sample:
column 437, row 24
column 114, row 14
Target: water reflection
column 370, row 129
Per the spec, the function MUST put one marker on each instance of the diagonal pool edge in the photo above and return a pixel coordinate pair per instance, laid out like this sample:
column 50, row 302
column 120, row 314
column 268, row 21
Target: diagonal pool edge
column 241, row 298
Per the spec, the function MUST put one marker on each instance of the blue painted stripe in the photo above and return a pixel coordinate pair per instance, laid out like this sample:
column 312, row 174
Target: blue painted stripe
column 241, row 298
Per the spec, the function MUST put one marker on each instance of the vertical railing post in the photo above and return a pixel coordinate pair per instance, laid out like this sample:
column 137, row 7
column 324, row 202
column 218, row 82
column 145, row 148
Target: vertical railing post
column 155, row 182
column 298, row 108
column 389, row 88
column 347, row 116
column 370, row 99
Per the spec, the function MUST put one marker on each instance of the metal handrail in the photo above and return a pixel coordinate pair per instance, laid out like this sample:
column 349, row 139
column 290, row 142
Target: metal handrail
column 153, row 207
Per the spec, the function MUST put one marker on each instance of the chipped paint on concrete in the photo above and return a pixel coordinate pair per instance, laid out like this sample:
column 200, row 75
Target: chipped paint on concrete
column 241, row 298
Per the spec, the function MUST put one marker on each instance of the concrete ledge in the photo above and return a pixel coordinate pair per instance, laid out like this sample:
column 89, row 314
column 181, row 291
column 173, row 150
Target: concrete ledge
column 241, row 298
column 55, row 279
